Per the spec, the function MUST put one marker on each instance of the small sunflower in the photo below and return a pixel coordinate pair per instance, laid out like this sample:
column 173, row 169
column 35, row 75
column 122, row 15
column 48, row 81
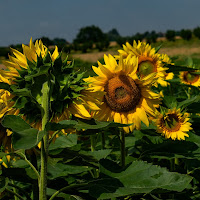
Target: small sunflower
column 148, row 60
column 127, row 99
column 28, row 71
column 190, row 78
column 173, row 124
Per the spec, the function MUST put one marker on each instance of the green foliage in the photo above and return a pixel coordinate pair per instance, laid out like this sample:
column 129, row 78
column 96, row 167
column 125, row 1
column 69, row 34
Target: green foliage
column 24, row 136
column 196, row 32
column 139, row 177
column 170, row 35
column 186, row 34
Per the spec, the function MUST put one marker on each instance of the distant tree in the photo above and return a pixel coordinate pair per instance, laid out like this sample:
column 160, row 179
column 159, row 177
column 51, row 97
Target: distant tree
column 60, row 43
column 186, row 34
column 138, row 36
column 196, row 32
column 170, row 35
column 89, row 33
column 113, row 35
column 152, row 37
column 121, row 40
column 92, row 35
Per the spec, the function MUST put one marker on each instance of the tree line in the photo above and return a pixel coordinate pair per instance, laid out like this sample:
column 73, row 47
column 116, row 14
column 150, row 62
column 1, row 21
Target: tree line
column 92, row 37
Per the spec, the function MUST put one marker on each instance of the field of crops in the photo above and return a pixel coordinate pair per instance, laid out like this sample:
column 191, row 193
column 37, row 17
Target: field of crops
column 126, row 128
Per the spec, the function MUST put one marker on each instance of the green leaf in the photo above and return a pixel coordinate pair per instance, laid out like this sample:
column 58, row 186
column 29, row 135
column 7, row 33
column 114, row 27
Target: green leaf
column 92, row 124
column 175, row 68
column 64, row 141
column 4, row 86
column 187, row 102
column 65, row 124
column 23, row 137
column 20, row 92
column 98, row 155
column 20, row 102
column 42, row 71
column 158, row 48
column 139, row 177
column 62, row 170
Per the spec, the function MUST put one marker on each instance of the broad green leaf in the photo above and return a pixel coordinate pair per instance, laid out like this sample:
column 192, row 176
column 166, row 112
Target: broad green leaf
column 65, row 124
column 187, row 102
column 175, row 68
column 64, row 141
column 92, row 124
column 98, row 155
column 61, row 170
column 139, row 177
column 23, row 137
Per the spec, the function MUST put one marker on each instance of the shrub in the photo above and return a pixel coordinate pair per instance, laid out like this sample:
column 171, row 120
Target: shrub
column 170, row 35
column 186, row 34
column 197, row 32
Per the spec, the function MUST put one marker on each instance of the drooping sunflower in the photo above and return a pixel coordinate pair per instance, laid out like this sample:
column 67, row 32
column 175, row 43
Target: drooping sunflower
column 21, row 86
column 190, row 78
column 149, row 61
column 127, row 99
column 173, row 124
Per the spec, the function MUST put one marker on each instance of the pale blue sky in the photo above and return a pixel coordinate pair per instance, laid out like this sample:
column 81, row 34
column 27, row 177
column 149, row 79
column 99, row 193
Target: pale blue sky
column 22, row 19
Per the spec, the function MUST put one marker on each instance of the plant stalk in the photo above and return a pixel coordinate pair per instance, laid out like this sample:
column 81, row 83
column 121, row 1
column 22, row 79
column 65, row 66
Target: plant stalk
column 122, row 148
column 44, row 143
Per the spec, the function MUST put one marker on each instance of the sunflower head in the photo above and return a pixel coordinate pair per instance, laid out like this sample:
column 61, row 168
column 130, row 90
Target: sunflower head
column 149, row 61
column 28, row 71
column 190, row 78
column 173, row 124
column 127, row 98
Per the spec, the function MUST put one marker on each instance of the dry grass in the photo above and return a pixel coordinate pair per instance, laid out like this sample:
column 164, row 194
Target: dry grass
column 93, row 57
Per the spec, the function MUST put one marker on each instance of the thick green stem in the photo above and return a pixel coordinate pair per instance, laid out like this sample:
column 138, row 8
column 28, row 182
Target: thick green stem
column 122, row 148
column 35, row 183
column 92, row 139
column 102, row 140
column 44, row 143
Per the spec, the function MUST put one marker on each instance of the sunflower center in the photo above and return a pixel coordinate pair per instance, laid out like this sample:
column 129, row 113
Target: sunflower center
column 191, row 78
column 122, row 93
column 145, row 68
column 171, row 123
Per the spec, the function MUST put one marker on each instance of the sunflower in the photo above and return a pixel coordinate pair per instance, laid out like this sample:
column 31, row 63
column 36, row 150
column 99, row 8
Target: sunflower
column 173, row 124
column 149, row 61
column 190, row 78
column 127, row 99
column 27, row 71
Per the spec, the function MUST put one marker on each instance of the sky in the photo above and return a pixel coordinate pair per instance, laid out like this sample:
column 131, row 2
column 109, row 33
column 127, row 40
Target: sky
column 22, row 19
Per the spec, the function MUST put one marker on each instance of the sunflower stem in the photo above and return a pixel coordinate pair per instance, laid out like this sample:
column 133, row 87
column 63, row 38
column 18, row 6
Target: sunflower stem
column 92, row 140
column 102, row 140
column 122, row 148
column 93, row 144
column 14, row 190
column 44, row 142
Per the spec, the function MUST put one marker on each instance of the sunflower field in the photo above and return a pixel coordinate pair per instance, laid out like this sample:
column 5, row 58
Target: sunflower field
column 131, row 131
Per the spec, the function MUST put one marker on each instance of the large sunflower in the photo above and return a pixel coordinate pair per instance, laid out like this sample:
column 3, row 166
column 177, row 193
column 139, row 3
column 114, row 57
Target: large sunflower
column 173, row 124
column 149, row 61
column 128, row 99
column 27, row 71
column 190, row 78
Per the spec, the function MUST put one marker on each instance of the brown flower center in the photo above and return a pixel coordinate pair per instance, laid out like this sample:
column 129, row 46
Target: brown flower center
column 171, row 123
column 122, row 93
column 146, row 67
column 190, row 78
